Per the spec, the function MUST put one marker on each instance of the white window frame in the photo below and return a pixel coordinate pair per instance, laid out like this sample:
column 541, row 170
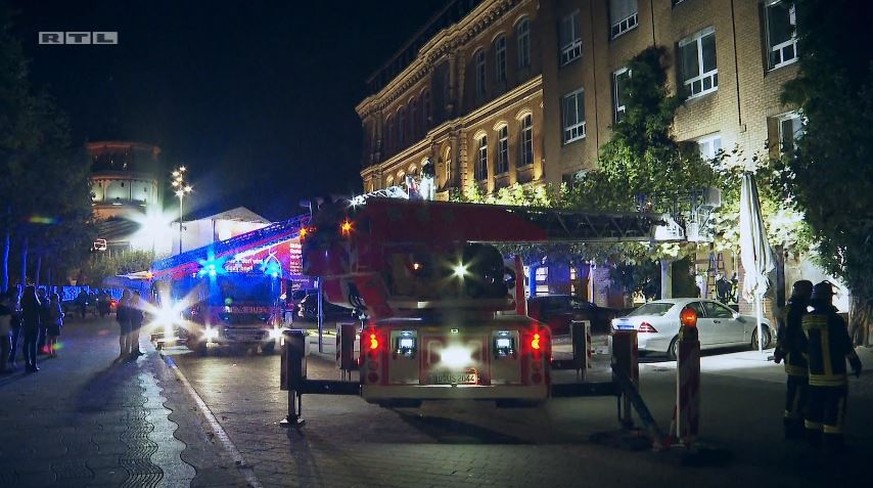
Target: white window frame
column 482, row 159
column 481, row 72
column 796, row 133
column 526, row 140
column 500, row 58
column 522, row 32
column 618, row 108
column 570, row 36
column 785, row 52
column 502, row 149
column 623, row 16
column 709, row 146
column 573, row 116
column 695, row 85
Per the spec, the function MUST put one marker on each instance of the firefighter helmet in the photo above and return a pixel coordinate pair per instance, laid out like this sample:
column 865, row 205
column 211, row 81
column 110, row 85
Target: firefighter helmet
column 823, row 290
column 801, row 289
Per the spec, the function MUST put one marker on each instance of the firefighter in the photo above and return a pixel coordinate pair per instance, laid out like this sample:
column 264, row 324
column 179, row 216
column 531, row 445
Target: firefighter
column 829, row 346
column 791, row 348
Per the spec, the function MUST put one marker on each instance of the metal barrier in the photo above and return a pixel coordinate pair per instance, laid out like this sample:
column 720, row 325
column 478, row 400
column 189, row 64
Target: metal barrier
column 583, row 349
column 292, row 372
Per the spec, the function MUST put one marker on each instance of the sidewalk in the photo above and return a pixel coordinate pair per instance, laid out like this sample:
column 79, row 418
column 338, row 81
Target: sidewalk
column 86, row 420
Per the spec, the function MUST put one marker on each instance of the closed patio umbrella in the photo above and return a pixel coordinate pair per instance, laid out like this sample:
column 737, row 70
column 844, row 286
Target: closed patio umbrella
column 756, row 254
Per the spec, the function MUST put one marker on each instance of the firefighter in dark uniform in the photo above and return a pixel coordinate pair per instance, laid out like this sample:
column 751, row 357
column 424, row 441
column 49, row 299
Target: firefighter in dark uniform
column 791, row 348
column 828, row 348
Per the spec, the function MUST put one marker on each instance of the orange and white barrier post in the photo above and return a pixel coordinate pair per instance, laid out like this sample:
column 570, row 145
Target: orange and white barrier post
column 687, row 411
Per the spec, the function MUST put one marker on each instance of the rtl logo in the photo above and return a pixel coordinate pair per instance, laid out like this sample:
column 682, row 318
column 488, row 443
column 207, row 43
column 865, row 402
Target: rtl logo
column 78, row 38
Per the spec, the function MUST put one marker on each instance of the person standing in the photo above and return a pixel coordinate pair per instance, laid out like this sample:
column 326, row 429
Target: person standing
column 829, row 346
column 56, row 323
column 45, row 318
column 30, row 326
column 15, row 326
column 791, row 348
column 135, row 315
column 121, row 316
column 5, row 331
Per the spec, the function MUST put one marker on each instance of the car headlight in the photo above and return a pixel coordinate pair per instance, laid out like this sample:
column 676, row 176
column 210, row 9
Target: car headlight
column 210, row 334
column 275, row 333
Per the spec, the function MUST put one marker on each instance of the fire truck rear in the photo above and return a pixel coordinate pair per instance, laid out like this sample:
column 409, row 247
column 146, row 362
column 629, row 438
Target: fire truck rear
column 445, row 313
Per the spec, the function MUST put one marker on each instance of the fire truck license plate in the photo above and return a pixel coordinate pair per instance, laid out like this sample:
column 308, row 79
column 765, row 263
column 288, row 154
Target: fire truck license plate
column 452, row 378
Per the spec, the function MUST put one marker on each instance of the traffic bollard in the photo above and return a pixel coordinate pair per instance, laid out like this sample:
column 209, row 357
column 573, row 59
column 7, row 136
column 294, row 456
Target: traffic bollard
column 625, row 359
column 293, row 373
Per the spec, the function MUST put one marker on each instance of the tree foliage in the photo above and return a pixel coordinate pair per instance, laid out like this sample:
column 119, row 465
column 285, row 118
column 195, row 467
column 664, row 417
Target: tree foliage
column 44, row 189
column 829, row 175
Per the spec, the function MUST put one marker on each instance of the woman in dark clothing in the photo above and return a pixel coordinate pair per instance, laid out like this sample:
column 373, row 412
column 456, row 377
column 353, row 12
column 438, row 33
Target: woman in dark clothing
column 45, row 318
column 30, row 324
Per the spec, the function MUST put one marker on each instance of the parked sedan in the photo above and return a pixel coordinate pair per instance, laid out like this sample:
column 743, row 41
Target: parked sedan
column 657, row 325
column 557, row 311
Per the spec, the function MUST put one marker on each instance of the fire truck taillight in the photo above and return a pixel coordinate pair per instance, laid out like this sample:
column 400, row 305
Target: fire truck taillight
column 536, row 342
column 373, row 342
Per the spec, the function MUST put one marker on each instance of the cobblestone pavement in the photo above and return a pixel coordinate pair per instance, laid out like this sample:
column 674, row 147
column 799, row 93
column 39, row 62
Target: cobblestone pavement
column 87, row 420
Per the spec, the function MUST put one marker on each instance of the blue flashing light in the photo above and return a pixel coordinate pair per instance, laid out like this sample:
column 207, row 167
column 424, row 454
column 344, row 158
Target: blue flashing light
column 272, row 268
column 211, row 266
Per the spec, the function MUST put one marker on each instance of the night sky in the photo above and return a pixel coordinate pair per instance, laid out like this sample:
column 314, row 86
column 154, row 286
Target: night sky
column 257, row 98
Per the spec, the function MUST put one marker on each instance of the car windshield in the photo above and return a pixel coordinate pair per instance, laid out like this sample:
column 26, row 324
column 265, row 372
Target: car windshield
column 654, row 308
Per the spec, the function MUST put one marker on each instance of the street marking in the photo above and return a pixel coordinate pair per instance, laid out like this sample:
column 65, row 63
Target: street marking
column 220, row 434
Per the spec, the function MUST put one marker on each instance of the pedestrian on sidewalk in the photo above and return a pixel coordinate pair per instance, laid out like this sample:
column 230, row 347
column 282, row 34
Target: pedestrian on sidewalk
column 136, row 317
column 5, row 331
column 55, row 325
column 15, row 325
column 829, row 347
column 791, row 348
column 45, row 318
column 121, row 316
column 30, row 326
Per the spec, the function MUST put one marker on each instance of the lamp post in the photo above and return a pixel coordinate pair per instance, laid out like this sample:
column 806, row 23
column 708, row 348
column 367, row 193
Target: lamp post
column 181, row 188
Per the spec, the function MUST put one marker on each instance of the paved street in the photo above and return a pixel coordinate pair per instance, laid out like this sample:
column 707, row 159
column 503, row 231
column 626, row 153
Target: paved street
column 178, row 420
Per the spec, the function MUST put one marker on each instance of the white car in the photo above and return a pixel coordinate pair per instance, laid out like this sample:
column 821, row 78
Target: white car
column 657, row 325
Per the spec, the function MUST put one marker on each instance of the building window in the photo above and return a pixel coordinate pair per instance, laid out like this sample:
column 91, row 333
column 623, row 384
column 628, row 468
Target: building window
column 526, row 140
column 425, row 111
column 622, row 16
column 500, row 59
column 790, row 131
column 389, row 135
column 570, row 37
column 573, row 114
column 401, row 127
column 522, row 34
column 503, row 150
column 482, row 159
column 709, row 146
column 698, row 64
column 619, row 92
column 781, row 24
column 480, row 72
column 413, row 119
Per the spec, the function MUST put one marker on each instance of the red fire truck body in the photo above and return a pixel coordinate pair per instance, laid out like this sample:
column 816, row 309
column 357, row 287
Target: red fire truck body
column 446, row 316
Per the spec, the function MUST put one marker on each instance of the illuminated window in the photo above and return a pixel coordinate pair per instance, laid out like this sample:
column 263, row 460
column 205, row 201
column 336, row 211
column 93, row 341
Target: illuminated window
column 791, row 129
column 480, row 73
column 709, row 146
column 698, row 63
column 622, row 16
column 619, row 92
column 522, row 33
column 781, row 26
column 570, row 34
column 482, row 160
column 503, row 150
column 526, row 140
column 500, row 58
column 573, row 114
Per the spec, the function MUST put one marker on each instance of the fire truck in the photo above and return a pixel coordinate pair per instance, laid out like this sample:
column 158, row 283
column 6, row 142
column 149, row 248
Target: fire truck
column 229, row 293
column 443, row 314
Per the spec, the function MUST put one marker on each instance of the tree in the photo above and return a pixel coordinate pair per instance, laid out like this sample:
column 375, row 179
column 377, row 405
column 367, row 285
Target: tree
column 45, row 192
column 828, row 175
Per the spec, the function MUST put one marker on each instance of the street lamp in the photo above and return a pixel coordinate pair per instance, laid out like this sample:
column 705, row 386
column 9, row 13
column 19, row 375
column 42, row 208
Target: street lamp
column 181, row 188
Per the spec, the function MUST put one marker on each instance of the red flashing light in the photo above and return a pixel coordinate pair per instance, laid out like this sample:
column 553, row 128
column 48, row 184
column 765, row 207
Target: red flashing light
column 688, row 317
column 374, row 342
column 535, row 342
column 646, row 328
